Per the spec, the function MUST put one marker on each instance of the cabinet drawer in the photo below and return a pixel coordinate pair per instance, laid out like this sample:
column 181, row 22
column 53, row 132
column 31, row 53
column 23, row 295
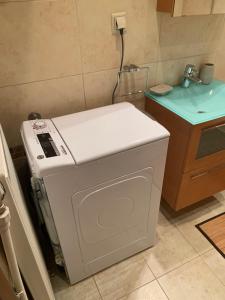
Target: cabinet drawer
column 199, row 185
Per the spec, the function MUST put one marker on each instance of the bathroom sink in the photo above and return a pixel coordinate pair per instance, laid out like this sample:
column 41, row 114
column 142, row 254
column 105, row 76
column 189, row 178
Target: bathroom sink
column 197, row 104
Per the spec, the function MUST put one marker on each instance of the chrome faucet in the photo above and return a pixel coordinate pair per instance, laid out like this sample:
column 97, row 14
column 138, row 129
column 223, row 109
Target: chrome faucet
column 190, row 75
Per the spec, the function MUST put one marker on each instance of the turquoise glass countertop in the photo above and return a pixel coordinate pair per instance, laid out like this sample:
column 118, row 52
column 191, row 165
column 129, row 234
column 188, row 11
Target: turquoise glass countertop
column 197, row 104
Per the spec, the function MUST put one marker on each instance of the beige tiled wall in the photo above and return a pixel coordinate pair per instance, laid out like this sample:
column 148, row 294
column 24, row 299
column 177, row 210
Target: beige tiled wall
column 220, row 57
column 59, row 57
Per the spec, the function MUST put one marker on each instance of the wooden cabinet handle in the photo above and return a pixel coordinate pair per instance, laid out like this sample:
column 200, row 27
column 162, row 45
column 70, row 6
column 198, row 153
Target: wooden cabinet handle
column 218, row 126
column 198, row 175
column 222, row 166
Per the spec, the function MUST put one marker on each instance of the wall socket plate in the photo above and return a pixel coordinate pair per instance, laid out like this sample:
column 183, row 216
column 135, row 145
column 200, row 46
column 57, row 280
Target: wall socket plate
column 114, row 16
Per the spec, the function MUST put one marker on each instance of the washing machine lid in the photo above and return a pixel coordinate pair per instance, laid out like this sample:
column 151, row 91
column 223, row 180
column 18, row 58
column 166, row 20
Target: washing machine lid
column 100, row 132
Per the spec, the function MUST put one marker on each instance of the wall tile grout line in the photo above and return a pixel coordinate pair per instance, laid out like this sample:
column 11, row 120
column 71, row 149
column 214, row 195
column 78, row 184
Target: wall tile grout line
column 22, row 1
column 93, row 72
column 40, row 80
column 76, row 8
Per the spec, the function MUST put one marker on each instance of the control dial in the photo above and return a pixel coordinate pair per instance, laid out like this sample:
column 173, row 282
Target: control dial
column 39, row 124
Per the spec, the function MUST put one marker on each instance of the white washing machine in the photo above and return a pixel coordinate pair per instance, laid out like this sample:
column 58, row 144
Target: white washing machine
column 98, row 176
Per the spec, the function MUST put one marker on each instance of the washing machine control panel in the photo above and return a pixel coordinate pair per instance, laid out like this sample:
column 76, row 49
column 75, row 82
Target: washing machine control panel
column 47, row 144
column 46, row 150
column 40, row 124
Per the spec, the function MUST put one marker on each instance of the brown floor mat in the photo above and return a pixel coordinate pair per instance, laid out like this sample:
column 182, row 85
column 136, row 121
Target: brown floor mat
column 214, row 230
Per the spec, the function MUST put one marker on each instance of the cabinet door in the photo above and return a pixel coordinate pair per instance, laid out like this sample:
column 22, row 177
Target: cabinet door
column 26, row 246
column 200, row 7
column 218, row 7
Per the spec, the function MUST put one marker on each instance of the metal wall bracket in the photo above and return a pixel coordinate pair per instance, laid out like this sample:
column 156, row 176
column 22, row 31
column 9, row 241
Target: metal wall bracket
column 129, row 70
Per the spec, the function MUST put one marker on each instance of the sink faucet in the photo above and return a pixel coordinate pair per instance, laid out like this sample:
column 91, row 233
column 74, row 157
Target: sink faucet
column 190, row 75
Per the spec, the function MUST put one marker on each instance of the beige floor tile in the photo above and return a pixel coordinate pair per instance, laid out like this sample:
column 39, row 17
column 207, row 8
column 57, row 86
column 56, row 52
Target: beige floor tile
column 150, row 291
column 171, row 251
column 123, row 278
column 85, row 290
column 186, row 225
column 194, row 281
column 216, row 263
column 195, row 238
column 164, row 223
column 217, row 205
column 59, row 282
column 220, row 196
column 186, row 222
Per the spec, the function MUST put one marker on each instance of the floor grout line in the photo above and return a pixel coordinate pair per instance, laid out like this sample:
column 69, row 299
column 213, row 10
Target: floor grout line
column 136, row 289
column 114, row 68
column 93, row 277
column 207, row 209
column 177, row 267
column 214, row 273
column 183, row 235
column 163, row 289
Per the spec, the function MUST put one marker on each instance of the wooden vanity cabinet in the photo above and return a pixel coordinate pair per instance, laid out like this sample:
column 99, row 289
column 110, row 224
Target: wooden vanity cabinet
column 178, row 8
column 195, row 167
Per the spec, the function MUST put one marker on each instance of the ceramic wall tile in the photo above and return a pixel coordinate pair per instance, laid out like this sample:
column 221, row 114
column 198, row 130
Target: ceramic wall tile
column 171, row 71
column 218, row 7
column 220, row 56
column 101, row 48
column 5, row 1
column 138, row 100
column 99, row 86
column 188, row 36
column 193, row 7
column 38, row 40
column 51, row 98
column 61, row 38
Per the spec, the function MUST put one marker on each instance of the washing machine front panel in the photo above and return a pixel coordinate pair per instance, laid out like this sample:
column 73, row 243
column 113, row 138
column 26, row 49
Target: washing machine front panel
column 113, row 216
column 63, row 188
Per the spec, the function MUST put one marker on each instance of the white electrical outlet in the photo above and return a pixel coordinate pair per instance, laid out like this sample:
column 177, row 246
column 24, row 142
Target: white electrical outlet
column 122, row 17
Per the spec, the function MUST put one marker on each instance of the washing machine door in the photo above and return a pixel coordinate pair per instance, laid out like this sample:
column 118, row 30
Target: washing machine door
column 27, row 250
column 113, row 220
